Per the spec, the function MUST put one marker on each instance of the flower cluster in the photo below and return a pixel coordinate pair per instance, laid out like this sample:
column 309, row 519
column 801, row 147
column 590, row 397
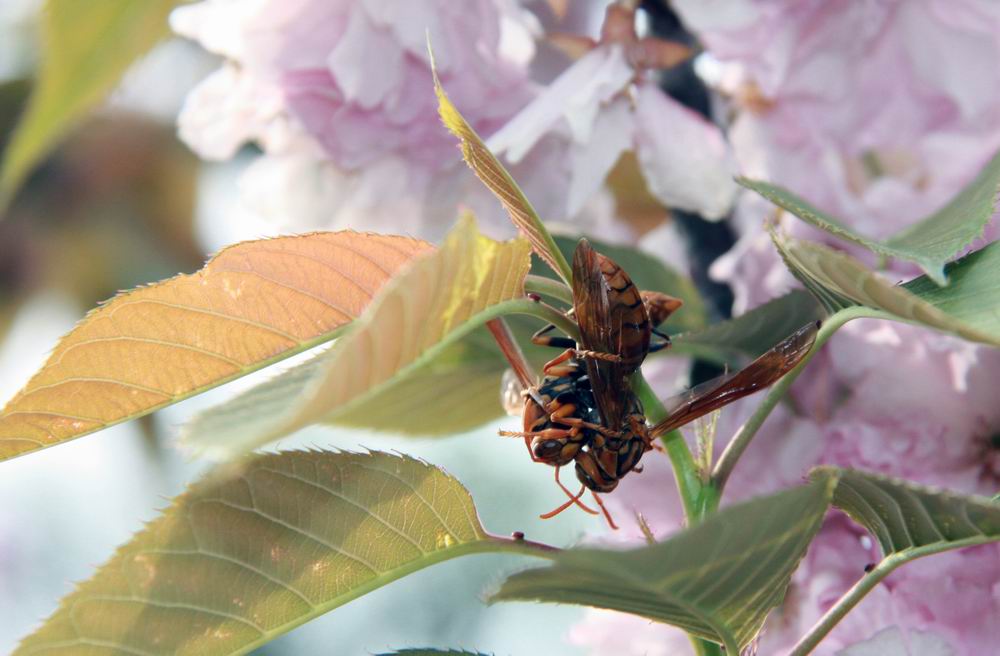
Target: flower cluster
column 338, row 95
column 850, row 106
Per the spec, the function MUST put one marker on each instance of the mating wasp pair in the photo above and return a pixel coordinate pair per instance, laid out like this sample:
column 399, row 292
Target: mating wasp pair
column 584, row 410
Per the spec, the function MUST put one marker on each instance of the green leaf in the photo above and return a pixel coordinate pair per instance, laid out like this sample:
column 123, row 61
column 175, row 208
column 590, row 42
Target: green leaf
column 415, row 318
column 237, row 561
column 929, row 243
column 717, row 580
column 966, row 307
column 493, row 174
column 910, row 520
column 88, row 46
column 649, row 272
column 751, row 333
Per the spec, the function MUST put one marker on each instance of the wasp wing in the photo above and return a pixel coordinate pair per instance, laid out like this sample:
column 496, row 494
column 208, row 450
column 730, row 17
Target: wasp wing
column 512, row 352
column 601, row 320
column 757, row 375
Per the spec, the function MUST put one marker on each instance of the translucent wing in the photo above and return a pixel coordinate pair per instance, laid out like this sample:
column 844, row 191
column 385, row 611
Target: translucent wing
column 757, row 375
column 520, row 377
column 606, row 313
column 512, row 352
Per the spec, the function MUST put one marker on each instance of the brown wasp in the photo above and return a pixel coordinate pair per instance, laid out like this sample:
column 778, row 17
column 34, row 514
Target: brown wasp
column 584, row 410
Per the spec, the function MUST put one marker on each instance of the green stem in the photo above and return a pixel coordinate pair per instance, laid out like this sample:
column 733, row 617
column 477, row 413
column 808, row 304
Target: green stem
column 843, row 606
column 695, row 495
column 520, row 545
column 548, row 287
column 731, row 455
column 689, row 483
column 540, row 310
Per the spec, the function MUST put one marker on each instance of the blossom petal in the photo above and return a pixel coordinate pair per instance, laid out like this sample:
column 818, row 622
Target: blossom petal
column 226, row 110
column 576, row 96
column 892, row 642
column 684, row 158
column 591, row 161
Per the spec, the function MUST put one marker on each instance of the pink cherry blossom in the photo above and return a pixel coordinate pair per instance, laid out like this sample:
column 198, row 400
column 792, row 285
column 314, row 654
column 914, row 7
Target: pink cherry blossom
column 893, row 642
column 847, row 105
column 844, row 104
column 339, row 97
column 603, row 105
column 950, row 596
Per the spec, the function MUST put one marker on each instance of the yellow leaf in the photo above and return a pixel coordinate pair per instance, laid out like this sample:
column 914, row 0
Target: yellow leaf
column 251, row 305
column 417, row 317
column 493, row 174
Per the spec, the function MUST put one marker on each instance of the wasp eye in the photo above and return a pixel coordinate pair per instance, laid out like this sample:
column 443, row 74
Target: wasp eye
column 547, row 448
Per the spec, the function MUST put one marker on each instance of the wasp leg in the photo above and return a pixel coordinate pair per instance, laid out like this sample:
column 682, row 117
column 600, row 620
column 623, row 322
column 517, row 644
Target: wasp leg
column 564, row 506
column 584, row 507
column 574, row 499
column 550, row 367
column 607, row 515
column 660, row 345
column 543, row 339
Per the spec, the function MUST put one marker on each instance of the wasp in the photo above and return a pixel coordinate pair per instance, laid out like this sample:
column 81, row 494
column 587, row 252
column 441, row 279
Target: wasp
column 584, row 410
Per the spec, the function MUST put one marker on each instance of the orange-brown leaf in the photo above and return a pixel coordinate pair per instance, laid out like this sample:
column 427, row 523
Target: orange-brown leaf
column 251, row 305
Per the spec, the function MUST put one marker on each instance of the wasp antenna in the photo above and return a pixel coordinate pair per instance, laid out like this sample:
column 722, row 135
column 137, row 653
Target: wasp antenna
column 596, row 355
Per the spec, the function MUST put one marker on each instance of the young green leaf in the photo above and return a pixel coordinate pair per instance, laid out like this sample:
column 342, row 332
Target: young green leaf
column 252, row 304
column 87, row 48
column 493, row 174
column 437, row 301
column 966, row 307
column 911, row 520
column 751, row 333
column 717, row 580
column 236, row 561
column 931, row 242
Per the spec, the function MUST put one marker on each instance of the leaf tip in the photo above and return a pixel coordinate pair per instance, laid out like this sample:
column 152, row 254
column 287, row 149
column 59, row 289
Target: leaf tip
column 935, row 271
column 450, row 116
